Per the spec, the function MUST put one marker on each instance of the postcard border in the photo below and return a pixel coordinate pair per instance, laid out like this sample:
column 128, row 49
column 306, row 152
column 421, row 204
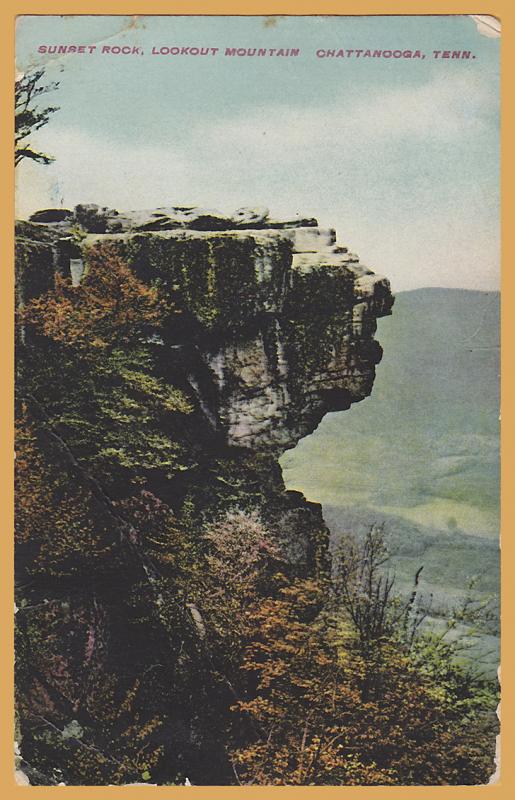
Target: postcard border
column 503, row 9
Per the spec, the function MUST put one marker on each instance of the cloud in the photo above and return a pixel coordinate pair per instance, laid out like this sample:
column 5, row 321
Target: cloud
column 389, row 170
column 444, row 108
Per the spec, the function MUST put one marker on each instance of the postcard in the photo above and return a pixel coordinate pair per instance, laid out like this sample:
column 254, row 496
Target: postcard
column 257, row 401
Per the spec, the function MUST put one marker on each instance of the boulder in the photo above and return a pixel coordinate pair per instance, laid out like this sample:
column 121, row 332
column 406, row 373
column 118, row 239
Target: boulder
column 205, row 219
column 51, row 215
column 93, row 218
column 158, row 223
column 250, row 217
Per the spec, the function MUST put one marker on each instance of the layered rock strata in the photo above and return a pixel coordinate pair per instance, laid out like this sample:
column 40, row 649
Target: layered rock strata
column 278, row 319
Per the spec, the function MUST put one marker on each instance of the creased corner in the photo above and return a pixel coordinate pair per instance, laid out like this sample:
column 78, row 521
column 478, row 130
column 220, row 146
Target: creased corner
column 496, row 775
column 487, row 25
column 20, row 778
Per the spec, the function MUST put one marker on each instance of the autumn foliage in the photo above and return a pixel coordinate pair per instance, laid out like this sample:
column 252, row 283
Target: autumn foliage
column 110, row 308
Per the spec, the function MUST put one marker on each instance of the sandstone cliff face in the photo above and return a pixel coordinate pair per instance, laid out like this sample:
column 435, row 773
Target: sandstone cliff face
column 278, row 320
column 272, row 325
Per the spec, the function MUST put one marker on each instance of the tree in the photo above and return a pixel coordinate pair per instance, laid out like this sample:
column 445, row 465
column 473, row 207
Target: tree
column 364, row 591
column 88, row 364
column 29, row 117
column 337, row 694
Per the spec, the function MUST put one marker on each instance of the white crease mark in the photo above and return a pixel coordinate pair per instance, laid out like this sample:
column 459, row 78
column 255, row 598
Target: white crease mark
column 487, row 25
column 133, row 24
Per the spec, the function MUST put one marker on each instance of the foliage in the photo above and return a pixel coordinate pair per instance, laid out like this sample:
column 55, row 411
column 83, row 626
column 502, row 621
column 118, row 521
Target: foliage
column 69, row 673
column 115, row 742
column 93, row 418
column 59, row 525
column 238, row 564
column 28, row 117
column 344, row 701
column 95, row 338
column 243, row 551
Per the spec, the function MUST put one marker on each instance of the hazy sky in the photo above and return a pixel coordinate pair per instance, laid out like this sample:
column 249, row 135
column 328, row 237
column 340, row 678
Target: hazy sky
column 400, row 156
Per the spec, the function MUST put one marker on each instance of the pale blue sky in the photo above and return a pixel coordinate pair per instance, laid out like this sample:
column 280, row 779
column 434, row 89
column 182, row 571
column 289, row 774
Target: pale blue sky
column 400, row 156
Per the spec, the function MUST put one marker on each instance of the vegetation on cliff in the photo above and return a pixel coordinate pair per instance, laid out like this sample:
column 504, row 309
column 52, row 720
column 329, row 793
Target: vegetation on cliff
column 166, row 627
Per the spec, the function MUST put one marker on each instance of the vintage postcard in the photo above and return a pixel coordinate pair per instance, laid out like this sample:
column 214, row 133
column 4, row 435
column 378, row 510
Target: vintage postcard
column 257, row 401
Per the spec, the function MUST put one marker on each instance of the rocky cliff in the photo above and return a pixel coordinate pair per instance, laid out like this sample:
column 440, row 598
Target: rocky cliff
column 270, row 325
column 278, row 319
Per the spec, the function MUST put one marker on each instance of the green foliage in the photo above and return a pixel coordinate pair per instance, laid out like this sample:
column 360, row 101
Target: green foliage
column 94, row 418
column 57, row 521
column 88, row 362
column 115, row 743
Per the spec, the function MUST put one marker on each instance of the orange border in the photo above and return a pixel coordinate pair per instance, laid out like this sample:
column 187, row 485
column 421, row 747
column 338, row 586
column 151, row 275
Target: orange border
column 505, row 10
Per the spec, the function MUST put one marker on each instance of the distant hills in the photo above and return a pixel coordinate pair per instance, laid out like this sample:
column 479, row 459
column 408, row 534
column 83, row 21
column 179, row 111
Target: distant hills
column 421, row 454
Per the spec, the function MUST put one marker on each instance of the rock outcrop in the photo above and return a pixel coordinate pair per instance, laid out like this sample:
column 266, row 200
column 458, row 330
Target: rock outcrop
column 101, row 219
column 278, row 319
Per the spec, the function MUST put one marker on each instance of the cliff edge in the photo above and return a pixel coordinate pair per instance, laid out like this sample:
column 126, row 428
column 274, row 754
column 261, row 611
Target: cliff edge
column 277, row 319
